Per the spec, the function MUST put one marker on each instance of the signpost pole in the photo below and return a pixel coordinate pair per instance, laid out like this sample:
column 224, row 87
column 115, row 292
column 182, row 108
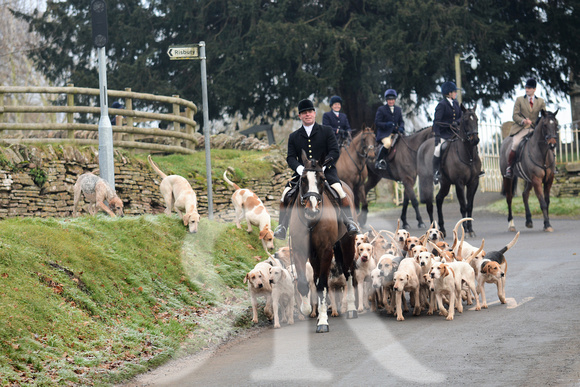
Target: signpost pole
column 206, row 130
column 106, row 159
column 197, row 51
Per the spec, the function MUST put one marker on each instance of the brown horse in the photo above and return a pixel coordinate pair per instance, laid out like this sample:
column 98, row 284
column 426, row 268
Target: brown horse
column 402, row 166
column 315, row 233
column 351, row 166
column 460, row 165
column 536, row 165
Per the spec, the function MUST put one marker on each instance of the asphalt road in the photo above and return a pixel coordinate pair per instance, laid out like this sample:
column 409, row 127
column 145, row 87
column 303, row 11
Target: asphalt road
column 533, row 340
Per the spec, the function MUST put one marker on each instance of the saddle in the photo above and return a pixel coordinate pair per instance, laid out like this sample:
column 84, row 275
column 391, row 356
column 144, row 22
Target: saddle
column 520, row 149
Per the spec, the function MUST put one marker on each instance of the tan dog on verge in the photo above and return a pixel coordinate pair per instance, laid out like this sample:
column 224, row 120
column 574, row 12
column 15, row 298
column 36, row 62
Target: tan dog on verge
column 247, row 204
column 178, row 194
column 96, row 190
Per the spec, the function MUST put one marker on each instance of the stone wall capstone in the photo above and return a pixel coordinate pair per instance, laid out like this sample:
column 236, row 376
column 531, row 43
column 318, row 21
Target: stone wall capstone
column 135, row 182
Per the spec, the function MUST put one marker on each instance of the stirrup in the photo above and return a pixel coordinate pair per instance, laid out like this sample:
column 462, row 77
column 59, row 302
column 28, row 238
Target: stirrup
column 436, row 177
column 482, row 173
column 381, row 164
column 509, row 173
column 280, row 232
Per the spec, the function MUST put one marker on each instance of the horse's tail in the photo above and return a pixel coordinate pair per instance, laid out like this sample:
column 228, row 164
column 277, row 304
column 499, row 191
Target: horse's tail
column 232, row 184
column 514, row 187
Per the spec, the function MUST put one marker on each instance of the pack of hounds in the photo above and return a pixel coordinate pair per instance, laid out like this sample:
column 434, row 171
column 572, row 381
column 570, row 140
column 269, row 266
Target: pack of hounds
column 388, row 266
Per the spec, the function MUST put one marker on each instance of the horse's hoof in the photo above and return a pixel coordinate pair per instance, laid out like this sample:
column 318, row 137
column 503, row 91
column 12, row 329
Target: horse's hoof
column 548, row 229
column 421, row 225
column 472, row 234
column 512, row 228
column 351, row 314
column 406, row 226
column 529, row 225
column 322, row 329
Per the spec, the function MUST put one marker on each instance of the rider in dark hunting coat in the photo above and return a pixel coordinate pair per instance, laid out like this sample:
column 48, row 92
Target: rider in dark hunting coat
column 389, row 121
column 337, row 120
column 447, row 113
column 316, row 140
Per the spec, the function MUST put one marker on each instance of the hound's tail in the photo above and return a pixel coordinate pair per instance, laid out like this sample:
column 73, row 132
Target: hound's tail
column 156, row 168
column 511, row 244
column 232, row 184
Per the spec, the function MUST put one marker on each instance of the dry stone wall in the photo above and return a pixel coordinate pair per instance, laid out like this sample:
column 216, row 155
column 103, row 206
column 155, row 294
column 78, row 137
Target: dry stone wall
column 135, row 182
column 567, row 181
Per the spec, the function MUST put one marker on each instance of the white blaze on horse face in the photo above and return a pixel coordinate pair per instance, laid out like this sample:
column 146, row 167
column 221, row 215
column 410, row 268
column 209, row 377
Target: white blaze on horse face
column 312, row 187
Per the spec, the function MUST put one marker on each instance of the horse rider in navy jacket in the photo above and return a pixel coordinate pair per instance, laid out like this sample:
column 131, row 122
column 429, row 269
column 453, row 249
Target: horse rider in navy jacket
column 447, row 113
column 337, row 120
column 316, row 140
column 389, row 121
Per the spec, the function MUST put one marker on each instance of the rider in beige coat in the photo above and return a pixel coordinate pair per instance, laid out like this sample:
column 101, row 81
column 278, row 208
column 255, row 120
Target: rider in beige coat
column 526, row 112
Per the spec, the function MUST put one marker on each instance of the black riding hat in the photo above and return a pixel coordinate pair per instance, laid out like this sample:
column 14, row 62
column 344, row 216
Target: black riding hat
column 531, row 83
column 305, row 105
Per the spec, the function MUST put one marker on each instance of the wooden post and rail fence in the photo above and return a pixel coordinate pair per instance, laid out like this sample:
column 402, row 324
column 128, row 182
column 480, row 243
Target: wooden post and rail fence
column 178, row 138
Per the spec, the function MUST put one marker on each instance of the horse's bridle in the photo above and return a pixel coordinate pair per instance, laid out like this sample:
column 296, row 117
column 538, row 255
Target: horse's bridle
column 308, row 194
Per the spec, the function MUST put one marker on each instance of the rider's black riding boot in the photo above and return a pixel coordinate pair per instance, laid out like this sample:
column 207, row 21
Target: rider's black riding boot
column 381, row 163
column 280, row 232
column 349, row 223
column 436, row 173
column 509, row 173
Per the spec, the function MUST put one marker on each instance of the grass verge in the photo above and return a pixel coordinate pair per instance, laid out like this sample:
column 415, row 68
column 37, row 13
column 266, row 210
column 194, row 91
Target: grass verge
column 567, row 207
column 95, row 300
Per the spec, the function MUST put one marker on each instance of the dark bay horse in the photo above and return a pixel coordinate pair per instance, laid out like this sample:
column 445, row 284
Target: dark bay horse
column 351, row 166
column 402, row 166
column 316, row 232
column 460, row 165
column 535, row 164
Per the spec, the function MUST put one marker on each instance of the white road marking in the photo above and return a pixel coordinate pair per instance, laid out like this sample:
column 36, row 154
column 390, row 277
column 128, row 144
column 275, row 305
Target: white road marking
column 511, row 302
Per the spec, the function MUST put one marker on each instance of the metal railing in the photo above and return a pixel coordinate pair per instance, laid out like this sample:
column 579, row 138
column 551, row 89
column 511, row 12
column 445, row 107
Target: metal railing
column 178, row 138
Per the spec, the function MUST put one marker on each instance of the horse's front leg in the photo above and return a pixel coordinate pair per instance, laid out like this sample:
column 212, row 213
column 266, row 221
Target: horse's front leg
column 409, row 185
column 470, row 193
column 544, row 199
column 322, row 291
column 443, row 191
column 360, row 202
column 526, row 198
column 508, row 190
column 403, row 217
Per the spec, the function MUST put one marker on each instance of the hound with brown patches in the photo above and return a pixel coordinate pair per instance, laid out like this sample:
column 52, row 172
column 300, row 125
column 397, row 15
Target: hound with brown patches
column 445, row 285
column 282, row 295
column 410, row 243
column 178, row 195
column 258, row 280
column 361, row 238
column 96, row 190
column 493, row 269
column 248, row 205
column 364, row 264
column 336, row 289
column 407, row 280
column 383, row 279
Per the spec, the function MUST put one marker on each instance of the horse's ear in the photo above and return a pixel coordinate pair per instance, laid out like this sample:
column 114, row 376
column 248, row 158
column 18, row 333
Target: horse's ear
column 543, row 111
column 304, row 157
column 463, row 109
column 556, row 112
